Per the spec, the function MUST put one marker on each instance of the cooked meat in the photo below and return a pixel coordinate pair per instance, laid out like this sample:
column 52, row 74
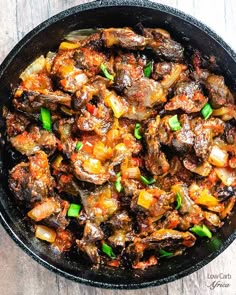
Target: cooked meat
column 32, row 181
column 219, row 93
column 28, row 143
column 122, row 146
column 123, row 37
column 164, row 46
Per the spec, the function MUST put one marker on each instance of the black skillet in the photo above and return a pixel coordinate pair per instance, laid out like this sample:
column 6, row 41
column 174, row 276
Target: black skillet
column 47, row 36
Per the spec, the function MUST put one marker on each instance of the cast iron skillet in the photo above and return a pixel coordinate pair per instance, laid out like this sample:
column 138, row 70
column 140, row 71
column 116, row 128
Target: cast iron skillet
column 47, row 36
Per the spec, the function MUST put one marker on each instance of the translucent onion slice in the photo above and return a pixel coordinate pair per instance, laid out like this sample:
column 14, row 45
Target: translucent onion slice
column 45, row 233
column 218, row 157
column 226, row 175
column 37, row 66
column 80, row 35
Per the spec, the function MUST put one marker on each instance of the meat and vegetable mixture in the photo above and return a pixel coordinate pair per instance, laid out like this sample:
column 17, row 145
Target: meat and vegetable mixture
column 128, row 144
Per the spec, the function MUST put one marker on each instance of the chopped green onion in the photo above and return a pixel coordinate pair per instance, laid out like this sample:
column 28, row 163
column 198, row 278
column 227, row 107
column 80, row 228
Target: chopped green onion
column 174, row 123
column 148, row 70
column 147, row 181
column 118, row 185
column 165, row 253
column 108, row 250
column 201, row 231
column 79, row 146
column 178, row 200
column 74, row 210
column 106, row 73
column 207, row 111
column 45, row 117
column 137, row 131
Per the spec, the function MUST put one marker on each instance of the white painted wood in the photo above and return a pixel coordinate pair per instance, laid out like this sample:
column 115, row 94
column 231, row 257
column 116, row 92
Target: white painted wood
column 19, row 274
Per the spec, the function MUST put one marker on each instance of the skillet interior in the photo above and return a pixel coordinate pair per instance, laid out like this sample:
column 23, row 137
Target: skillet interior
column 46, row 37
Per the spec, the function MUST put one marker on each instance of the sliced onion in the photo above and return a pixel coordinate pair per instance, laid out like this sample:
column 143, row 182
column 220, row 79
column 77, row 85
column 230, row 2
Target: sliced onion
column 116, row 103
column 44, row 210
column 49, row 60
column 218, row 157
column 132, row 172
column 37, row 66
column 226, row 175
column 80, row 35
column 226, row 113
column 169, row 80
column 45, row 233
column 206, row 199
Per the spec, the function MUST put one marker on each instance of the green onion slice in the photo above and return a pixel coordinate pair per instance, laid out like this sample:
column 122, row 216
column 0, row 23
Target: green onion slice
column 45, row 117
column 106, row 73
column 178, row 200
column 207, row 111
column 108, row 250
column 201, row 231
column 118, row 185
column 148, row 70
column 165, row 253
column 79, row 146
column 174, row 123
column 137, row 131
column 73, row 210
column 147, row 181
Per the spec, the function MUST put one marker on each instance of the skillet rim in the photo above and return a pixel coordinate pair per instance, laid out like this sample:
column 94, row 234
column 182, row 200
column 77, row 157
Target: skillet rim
column 3, row 67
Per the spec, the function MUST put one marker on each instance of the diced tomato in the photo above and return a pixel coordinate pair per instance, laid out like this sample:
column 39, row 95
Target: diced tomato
column 92, row 109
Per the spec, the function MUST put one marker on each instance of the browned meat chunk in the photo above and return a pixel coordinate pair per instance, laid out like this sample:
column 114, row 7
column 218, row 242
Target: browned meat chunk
column 155, row 159
column 219, row 93
column 32, row 181
column 188, row 97
column 16, row 123
column 33, row 141
column 164, row 46
column 124, row 37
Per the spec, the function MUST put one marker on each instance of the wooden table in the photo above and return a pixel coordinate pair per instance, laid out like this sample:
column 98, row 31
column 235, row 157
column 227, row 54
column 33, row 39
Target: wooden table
column 19, row 274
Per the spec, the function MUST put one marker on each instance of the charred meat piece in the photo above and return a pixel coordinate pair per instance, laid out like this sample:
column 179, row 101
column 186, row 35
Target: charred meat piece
column 28, row 143
column 155, row 159
column 123, row 37
column 100, row 122
column 145, row 92
column 183, row 140
column 219, row 93
column 161, row 69
column 188, row 97
column 128, row 68
column 30, row 102
column 90, row 61
column 16, row 123
column 32, row 181
column 163, row 46
column 64, row 240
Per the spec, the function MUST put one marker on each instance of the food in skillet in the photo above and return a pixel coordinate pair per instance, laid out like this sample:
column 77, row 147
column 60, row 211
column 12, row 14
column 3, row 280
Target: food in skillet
column 128, row 145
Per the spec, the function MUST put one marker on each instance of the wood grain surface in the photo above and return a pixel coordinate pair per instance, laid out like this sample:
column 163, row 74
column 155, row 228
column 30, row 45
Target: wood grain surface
column 19, row 274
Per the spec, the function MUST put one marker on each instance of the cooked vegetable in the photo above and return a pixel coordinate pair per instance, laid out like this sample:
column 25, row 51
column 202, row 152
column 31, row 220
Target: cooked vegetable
column 147, row 181
column 45, row 117
column 118, row 185
column 201, row 231
column 79, row 145
column 218, row 157
column 148, row 70
column 45, row 233
column 164, row 253
column 174, row 123
column 127, row 146
column 74, row 210
column 108, row 250
column 145, row 199
column 178, row 200
column 137, row 131
column 106, row 73
column 207, row 111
